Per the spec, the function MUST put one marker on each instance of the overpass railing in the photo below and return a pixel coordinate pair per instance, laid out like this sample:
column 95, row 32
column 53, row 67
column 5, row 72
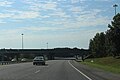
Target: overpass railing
column 11, row 62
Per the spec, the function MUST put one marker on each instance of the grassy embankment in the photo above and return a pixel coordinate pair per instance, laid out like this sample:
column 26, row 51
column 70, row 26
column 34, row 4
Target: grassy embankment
column 108, row 64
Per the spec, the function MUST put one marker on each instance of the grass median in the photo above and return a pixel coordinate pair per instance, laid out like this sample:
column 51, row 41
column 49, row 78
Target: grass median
column 108, row 64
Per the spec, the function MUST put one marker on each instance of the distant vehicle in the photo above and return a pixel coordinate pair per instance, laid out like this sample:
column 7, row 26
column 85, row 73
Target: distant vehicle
column 39, row 60
column 24, row 60
column 13, row 60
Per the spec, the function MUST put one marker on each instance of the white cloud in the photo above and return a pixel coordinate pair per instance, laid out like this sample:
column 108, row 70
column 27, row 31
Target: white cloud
column 92, row 21
column 13, row 11
column 17, row 14
column 102, row 0
column 37, row 5
column 9, row 32
column 26, row 15
column 89, row 18
column 1, row 22
column 93, row 17
column 76, row 9
column 82, row 1
column 59, row 13
column 61, row 0
column 6, row 3
column 34, row 28
column 5, row 15
column 74, row 1
column 49, row 5
column 85, row 19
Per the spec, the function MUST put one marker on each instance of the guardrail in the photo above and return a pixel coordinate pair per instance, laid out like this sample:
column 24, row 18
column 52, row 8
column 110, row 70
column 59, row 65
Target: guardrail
column 11, row 62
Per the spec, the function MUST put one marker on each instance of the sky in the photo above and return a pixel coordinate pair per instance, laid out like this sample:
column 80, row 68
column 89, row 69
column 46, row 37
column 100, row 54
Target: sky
column 60, row 23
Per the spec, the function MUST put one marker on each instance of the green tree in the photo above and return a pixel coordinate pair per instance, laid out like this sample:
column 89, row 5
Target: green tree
column 97, row 45
column 113, row 36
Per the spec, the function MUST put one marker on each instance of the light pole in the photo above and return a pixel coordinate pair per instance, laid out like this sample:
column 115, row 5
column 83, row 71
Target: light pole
column 115, row 6
column 47, row 45
column 22, row 41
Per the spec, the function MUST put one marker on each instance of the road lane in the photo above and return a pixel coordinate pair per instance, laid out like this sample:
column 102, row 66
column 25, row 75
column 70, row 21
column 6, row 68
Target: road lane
column 53, row 70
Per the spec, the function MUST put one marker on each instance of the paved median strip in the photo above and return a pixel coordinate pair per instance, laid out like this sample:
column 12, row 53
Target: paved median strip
column 80, row 71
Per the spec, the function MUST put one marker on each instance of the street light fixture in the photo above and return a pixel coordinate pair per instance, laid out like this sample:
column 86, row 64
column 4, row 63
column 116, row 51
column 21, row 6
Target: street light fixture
column 22, row 41
column 47, row 45
column 115, row 6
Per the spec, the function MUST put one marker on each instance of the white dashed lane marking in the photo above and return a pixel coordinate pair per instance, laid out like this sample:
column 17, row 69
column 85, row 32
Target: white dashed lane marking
column 37, row 71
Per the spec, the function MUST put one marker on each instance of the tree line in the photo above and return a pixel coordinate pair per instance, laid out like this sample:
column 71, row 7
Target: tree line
column 107, row 43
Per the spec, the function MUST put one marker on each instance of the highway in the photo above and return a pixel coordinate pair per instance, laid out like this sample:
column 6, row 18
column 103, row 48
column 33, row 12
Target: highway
column 53, row 70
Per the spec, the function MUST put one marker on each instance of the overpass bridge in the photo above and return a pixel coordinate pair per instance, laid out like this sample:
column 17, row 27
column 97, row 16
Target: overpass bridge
column 6, row 54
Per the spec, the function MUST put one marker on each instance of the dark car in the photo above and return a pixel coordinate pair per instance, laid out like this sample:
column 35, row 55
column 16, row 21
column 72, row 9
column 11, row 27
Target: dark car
column 39, row 60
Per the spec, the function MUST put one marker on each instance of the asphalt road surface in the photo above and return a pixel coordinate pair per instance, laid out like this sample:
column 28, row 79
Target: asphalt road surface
column 53, row 70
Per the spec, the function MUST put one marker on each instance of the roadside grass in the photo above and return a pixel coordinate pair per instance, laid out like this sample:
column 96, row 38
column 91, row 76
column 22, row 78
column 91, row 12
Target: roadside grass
column 107, row 63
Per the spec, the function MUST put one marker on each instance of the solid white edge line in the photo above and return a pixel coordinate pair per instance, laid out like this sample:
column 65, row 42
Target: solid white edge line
column 80, row 71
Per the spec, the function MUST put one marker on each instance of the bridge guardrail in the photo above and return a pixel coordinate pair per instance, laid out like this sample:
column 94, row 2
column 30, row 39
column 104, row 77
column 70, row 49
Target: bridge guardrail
column 11, row 62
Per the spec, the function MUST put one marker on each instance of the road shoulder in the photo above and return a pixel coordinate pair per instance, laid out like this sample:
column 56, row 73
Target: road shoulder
column 94, row 73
